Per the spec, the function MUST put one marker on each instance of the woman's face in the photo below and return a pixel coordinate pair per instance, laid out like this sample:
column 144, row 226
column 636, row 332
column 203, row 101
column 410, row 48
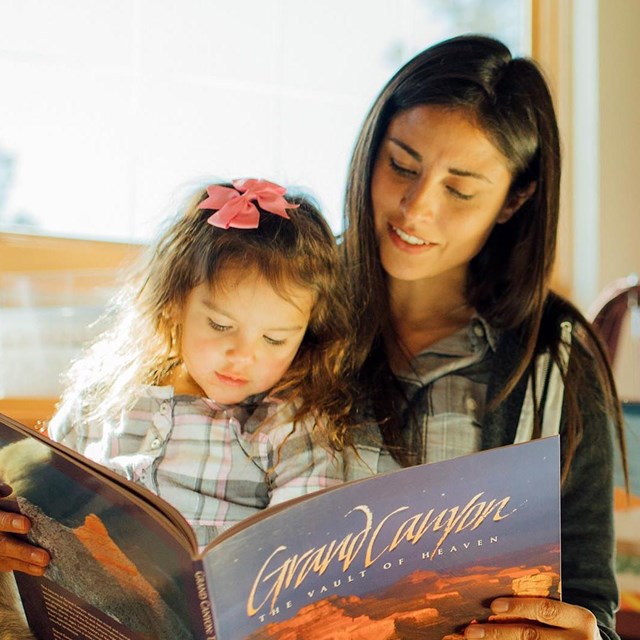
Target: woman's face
column 438, row 188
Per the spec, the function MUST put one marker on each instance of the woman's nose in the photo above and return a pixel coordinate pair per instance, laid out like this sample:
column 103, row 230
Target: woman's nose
column 417, row 203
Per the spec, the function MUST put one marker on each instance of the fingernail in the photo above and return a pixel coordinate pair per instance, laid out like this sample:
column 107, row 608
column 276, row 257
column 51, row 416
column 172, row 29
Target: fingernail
column 38, row 557
column 19, row 524
column 474, row 631
column 500, row 606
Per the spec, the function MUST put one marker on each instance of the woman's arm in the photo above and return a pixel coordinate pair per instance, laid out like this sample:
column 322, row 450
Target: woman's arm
column 589, row 590
column 13, row 625
column 588, row 543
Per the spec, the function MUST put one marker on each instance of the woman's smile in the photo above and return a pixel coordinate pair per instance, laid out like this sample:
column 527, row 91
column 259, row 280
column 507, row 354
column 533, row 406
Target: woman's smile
column 403, row 238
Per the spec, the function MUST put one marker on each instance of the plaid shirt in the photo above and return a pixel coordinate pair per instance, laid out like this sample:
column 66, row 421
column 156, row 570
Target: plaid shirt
column 446, row 387
column 216, row 464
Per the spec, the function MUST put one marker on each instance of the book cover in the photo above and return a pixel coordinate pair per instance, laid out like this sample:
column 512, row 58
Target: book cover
column 416, row 553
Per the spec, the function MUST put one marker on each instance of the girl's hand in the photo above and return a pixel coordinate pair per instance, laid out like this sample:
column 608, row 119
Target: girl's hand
column 535, row 619
column 16, row 554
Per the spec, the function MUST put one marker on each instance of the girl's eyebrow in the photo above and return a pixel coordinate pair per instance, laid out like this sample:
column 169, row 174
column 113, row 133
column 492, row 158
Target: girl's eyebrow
column 210, row 305
column 452, row 170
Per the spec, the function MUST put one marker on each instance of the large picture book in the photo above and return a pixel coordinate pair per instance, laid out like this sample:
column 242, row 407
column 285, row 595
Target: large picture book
column 416, row 553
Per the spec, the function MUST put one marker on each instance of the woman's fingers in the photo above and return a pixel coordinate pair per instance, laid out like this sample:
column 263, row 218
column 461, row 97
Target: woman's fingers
column 551, row 612
column 15, row 564
column 16, row 554
column 14, row 522
column 535, row 619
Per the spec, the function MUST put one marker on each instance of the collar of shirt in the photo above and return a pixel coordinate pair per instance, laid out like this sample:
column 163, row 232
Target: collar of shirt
column 467, row 346
column 250, row 413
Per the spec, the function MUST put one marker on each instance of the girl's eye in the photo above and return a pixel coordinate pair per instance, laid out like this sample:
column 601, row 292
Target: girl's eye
column 399, row 169
column 218, row 327
column 273, row 341
column 458, row 194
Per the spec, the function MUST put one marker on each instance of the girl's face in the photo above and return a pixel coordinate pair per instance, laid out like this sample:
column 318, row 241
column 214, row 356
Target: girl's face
column 438, row 188
column 239, row 336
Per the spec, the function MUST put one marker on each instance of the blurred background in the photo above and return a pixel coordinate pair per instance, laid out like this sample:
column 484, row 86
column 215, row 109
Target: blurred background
column 109, row 107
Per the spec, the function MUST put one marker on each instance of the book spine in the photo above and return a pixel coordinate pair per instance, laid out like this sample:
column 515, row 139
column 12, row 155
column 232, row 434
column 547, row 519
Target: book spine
column 205, row 611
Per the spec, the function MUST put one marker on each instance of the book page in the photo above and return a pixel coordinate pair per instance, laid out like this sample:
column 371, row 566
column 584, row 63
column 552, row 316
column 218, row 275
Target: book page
column 116, row 562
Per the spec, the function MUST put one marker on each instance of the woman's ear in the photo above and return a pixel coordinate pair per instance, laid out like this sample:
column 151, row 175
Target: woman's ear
column 514, row 201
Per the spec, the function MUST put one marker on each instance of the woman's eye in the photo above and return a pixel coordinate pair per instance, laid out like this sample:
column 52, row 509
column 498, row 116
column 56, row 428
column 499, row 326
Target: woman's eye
column 273, row 341
column 458, row 194
column 218, row 327
column 400, row 170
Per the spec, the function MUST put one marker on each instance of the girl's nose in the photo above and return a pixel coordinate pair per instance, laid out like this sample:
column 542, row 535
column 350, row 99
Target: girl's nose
column 240, row 352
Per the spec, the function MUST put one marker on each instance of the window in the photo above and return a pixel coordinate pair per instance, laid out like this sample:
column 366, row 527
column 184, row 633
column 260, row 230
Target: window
column 111, row 108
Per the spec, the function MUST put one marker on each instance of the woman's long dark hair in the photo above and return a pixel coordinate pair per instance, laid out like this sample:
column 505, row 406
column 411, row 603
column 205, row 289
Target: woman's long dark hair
column 508, row 281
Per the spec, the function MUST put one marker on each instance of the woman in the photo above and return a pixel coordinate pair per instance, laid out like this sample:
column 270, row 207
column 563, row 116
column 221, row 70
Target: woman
column 451, row 217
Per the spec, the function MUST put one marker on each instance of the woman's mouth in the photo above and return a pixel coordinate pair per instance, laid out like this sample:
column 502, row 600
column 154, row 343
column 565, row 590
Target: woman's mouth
column 407, row 237
column 407, row 241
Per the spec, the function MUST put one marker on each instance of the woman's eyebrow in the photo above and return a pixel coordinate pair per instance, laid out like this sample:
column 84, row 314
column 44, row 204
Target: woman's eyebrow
column 452, row 170
column 469, row 174
column 412, row 152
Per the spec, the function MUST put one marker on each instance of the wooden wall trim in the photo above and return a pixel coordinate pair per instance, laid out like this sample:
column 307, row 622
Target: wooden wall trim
column 26, row 252
column 552, row 47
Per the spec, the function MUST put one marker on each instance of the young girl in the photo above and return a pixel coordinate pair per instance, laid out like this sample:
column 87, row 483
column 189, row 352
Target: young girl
column 205, row 385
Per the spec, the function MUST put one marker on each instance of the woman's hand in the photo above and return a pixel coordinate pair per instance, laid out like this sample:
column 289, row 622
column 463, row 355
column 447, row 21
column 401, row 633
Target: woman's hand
column 535, row 619
column 16, row 554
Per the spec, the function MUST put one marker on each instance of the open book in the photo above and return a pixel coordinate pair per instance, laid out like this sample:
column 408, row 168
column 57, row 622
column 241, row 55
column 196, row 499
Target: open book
column 418, row 552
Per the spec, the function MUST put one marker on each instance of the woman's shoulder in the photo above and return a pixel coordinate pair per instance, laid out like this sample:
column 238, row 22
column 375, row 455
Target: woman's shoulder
column 558, row 310
column 560, row 322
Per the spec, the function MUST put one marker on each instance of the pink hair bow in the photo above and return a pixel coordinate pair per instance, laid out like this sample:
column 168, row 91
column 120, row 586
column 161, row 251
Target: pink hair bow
column 236, row 208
